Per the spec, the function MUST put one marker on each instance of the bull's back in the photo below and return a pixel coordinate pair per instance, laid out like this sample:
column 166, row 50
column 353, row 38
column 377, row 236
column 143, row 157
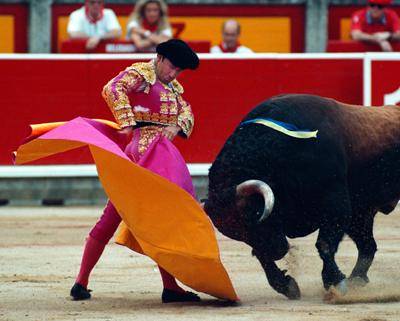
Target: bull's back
column 365, row 132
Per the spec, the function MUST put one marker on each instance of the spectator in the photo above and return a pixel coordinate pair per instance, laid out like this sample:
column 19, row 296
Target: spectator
column 94, row 22
column 230, row 39
column 376, row 24
column 148, row 25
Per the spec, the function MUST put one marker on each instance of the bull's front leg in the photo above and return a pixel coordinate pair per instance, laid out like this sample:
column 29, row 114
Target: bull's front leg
column 277, row 278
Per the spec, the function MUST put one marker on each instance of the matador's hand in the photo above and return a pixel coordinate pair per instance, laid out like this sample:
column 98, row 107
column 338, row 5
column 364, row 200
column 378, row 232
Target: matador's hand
column 170, row 132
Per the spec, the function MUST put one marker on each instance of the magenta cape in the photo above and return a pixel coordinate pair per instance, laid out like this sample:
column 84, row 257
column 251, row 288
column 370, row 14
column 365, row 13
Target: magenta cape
column 162, row 220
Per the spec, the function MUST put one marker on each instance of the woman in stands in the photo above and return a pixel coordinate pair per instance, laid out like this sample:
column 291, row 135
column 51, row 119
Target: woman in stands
column 148, row 25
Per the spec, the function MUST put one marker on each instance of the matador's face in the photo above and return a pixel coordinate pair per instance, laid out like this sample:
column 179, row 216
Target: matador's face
column 165, row 70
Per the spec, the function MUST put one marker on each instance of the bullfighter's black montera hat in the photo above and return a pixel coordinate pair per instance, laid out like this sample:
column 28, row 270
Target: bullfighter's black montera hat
column 179, row 53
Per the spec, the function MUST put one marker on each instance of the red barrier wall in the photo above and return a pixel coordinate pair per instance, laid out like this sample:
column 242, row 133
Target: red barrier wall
column 383, row 86
column 221, row 92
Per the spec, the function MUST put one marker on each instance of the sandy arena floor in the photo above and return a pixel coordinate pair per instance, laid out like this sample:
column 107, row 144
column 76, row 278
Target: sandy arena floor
column 40, row 251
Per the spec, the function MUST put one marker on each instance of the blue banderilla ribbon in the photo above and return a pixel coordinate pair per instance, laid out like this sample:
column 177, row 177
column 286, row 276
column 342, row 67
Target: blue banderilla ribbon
column 285, row 128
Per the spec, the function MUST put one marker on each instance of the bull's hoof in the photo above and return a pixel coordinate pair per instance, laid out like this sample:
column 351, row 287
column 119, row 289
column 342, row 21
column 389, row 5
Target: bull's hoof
column 334, row 280
column 335, row 293
column 358, row 281
column 342, row 287
column 293, row 290
column 288, row 287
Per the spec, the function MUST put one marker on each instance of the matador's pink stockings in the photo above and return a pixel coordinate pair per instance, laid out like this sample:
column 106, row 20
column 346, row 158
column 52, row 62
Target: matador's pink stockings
column 91, row 255
column 98, row 238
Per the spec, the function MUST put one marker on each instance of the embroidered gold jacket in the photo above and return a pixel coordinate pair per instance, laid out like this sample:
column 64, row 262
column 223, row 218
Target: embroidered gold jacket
column 135, row 96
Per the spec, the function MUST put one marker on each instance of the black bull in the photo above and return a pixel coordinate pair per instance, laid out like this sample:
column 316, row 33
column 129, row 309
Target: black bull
column 265, row 186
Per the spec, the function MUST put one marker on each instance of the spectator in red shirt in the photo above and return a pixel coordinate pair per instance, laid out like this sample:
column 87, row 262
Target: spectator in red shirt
column 376, row 24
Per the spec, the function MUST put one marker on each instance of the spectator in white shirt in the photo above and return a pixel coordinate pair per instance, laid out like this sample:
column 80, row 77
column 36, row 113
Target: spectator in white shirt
column 230, row 39
column 93, row 22
column 148, row 25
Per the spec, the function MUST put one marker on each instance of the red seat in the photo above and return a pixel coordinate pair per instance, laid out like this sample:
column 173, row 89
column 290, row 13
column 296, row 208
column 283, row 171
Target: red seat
column 110, row 46
column 120, row 46
column 355, row 46
column 200, row 46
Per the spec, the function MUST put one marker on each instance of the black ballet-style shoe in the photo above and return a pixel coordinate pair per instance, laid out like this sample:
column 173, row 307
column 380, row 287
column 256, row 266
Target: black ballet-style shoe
column 79, row 292
column 169, row 296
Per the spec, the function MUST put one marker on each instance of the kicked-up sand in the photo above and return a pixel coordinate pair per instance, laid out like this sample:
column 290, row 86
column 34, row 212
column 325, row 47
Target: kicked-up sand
column 41, row 248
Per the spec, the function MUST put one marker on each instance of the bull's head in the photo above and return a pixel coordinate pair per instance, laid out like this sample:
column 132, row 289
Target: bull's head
column 233, row 210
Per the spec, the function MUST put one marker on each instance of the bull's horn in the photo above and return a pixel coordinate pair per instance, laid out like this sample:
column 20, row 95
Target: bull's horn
column 252, row 186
